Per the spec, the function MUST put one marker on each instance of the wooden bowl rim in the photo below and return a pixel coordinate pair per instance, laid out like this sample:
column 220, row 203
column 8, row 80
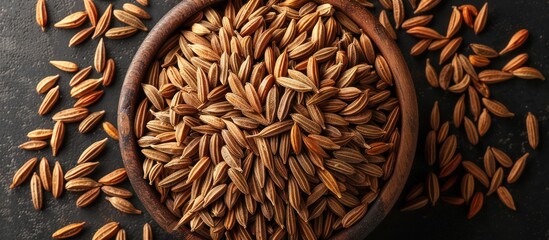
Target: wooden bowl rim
column 174, row 19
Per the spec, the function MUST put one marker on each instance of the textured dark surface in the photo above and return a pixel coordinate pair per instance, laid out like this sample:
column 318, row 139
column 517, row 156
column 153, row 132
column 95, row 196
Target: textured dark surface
column 25, row 52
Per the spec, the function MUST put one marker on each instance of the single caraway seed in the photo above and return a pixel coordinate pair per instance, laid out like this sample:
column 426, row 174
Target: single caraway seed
column 532, row 130
column 100, row 56
column 36, row 191
column 81, row 36
column 92, row 151
column 91, row 121
column 476, row 205
column 129, row 19
column 57, row 137
column 516, row 41
column 68, row 231
column 45, row 173
column 506, row 198
column 57, row 180
column 123, row 205
column 147, row 232
column 65, row 66
column 107, row 231
column 110, row 130
column 103, row 23
column 73, row 20
column 88, row 197
column 46, row 83
column 480, row 20
column 91, row 10
column 517, row 169
column 23, row 172
column 49, row 101
column 121, row 234
column 41, row 14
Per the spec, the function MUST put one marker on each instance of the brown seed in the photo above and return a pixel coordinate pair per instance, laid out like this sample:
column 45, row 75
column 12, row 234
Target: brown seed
column 424, row 32
column 386, row 23
column 103, row 23
column 129, row 19
column 81, row 184
column 484, row 122
column 33, row 145
column 73, row 20
column 476, row 205
column 489, row 162
column 85, row 87
column 111, row 130
column 517, row 169
column 121, row 32
column 39, row 134
column 57, row 180
column 497, row 108
column 81, row 170
column 515, row 63
column 431, row 74
column 143, row 2
column 496, row 181
column 479, row 61
column 46, row 84
column 100, row 56
column 447, row 150
column 516, row 41
column 80, row 76
column 483, row 50
column 532, row 130
column 354, row 215
column 116, row 192
column 87, row 197
column 426, row 5
column 494, row 76
column 480, row 20
column 477, row 173
column 65, row 66
column 45, row 174
column 471, row 131
column 455, row 23
column 467, row 187
column 421, row 20
column 91, row 10
column 449, row 49
column 23, row 172
column 108, row 73
column 107, row 231
column 506, row 198
column 430, row 148
column 81, row 36
column 113, row 178
column 147, row 232
column 459, row 111
column 433, row 189
column 528, row 73
column 420, row 47
column 123, row 205
column 68, row 231
column 121, row 234
column 502, row 157
column 49, row 101
column 36, row 191
column 435, row 117
column 90, row 121
column 57, row 137
column 136, row 11
column 41, row 14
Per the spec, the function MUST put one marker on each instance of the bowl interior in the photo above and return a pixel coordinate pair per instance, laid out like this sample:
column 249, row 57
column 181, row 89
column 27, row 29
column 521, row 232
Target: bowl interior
column 186, row 9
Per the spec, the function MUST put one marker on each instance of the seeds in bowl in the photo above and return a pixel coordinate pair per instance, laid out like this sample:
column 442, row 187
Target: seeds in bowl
column 282, row 117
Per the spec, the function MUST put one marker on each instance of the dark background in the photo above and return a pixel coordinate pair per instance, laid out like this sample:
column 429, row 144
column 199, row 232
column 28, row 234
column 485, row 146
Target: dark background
column 25, row 52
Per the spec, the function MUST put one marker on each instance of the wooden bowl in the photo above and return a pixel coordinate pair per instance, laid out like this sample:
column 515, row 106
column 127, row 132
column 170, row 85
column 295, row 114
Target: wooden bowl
column 175, row 18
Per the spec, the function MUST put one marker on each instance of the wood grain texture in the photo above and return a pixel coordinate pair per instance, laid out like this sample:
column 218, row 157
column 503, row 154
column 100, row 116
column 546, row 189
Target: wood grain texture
column 174, row 19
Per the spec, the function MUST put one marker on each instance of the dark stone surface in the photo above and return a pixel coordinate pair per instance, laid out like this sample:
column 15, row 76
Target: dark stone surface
column 25, row 52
